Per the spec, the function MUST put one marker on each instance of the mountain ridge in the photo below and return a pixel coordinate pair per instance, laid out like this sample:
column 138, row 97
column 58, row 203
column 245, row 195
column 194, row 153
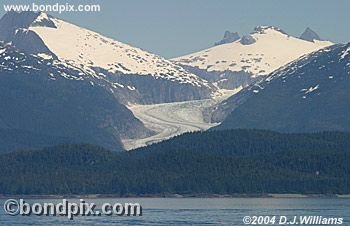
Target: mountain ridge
column 119, row 67
column 306, row 95
column 45, row 103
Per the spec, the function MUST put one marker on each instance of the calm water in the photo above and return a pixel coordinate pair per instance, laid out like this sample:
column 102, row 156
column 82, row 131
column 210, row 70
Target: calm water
column 195, row 211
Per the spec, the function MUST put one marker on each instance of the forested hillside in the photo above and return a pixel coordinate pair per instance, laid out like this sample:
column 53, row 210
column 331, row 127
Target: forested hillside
column 218, row 162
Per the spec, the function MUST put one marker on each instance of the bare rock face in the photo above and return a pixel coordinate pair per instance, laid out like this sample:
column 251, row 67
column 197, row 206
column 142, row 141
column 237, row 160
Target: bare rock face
column 309, row 35
column 228, row 38
column 247, row 40
column 14, row 29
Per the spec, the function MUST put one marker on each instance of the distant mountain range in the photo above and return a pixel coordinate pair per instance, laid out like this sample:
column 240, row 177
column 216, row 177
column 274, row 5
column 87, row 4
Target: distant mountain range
column 229, row 37
column 309, row 94
column 238, row 62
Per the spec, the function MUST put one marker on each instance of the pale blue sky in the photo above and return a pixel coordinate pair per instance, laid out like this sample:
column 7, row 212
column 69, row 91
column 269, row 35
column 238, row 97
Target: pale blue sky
column 174, row 28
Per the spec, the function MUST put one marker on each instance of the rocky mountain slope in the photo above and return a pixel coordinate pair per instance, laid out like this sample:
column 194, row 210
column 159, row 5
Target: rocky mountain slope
column 307, row 95
column 44, row 102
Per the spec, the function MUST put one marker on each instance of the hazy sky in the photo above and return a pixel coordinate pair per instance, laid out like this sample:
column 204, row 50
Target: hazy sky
column 178, row 27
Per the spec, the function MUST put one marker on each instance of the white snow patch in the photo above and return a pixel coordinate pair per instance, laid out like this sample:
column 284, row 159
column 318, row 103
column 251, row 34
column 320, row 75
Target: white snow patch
column 42, row 17
column 310, row 89
column 116, row 84
column 345, row 53
column 44, row 56
column 132, row 88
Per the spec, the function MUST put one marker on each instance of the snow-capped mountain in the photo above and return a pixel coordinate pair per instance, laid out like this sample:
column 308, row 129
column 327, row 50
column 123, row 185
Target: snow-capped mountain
column 306, row 95
column 243, row 61
column 134, row 75
column 45, row 103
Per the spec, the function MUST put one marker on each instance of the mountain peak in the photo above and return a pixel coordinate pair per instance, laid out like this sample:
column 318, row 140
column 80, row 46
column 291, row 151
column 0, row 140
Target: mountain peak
column 265, row 29
column 15, row 28
column 256, row 54
column 13, row 20
column 228, row 38
column 309, row 35
column 44, row 20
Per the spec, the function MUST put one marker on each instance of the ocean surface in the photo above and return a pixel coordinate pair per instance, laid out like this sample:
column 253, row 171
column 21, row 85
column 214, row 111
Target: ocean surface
column 193, row 211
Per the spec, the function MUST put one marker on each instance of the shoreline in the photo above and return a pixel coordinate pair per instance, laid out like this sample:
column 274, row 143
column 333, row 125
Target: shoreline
column 179, row 196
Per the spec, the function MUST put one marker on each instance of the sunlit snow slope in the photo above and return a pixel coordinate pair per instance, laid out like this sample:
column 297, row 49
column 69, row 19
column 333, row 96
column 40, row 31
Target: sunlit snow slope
column 132, row 74
column 259, row 53
column 90, row 49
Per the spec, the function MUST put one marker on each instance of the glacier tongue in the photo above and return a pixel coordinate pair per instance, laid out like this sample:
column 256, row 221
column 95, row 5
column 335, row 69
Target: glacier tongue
column 172, row 119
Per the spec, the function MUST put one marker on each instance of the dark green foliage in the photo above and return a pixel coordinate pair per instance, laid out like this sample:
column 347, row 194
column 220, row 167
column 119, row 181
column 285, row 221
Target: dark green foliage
column 220, row 162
